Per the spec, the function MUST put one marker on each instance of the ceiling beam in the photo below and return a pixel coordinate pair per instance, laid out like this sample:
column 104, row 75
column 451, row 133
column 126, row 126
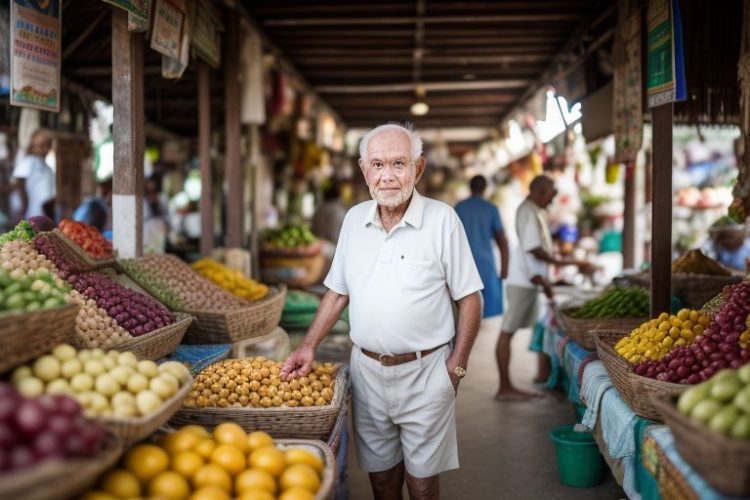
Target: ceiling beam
column 350, row 102
column 284, row 34
column 429, row 87
column 428, row 60
column 428, row 52
column 457, row 19
column 355, row 114
column 324, row 41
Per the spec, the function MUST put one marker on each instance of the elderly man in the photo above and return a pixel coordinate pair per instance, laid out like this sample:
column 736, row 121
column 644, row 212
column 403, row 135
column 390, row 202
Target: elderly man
column 401, row 260
column 35, row 180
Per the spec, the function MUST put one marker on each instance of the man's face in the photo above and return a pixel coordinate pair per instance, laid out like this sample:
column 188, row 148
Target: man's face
column 546, row 195
column 390, row 172
column 40, row 144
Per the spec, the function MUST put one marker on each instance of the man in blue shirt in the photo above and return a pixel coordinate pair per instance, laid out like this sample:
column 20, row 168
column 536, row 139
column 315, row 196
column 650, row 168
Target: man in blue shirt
column 481, row 221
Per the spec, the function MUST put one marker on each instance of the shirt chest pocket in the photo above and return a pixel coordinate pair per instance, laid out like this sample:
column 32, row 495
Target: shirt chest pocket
column 419, row 274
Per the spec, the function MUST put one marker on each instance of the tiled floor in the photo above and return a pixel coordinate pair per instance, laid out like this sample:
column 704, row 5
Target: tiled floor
column 504, row 449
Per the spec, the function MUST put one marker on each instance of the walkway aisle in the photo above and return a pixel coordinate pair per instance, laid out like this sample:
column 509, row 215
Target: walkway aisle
column 504, row 449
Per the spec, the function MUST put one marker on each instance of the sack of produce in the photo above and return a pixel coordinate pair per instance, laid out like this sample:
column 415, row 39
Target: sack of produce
column 694, row 262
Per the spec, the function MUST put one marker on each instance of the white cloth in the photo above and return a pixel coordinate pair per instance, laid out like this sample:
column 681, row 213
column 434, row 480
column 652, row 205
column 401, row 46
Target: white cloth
column 253, row 103
column 532, row 232
column 400, row 284
column 40, row 183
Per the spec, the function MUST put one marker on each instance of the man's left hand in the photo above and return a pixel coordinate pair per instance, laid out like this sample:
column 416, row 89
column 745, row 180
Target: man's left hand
column 450, row 365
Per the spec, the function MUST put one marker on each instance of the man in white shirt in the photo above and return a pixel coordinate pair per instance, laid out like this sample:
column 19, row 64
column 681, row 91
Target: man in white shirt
column 529, row 268
column 401, row 260
column 35, row 180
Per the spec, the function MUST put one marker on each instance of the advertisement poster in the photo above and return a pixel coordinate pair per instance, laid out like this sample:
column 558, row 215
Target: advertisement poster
column 35, row 54
column 207, row 34
column 138, row 8
column 169, row 21
column 666, row 68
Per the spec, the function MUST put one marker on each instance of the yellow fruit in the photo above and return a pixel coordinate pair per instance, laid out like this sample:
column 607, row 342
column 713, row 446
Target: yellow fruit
column 258, row 439
column 187, row 463
column 199, row 431
column 297, row 494
column 232, row 434
column 294, row 456
column 146, row 461
column 205, row 447
column 254, row 479
column 256, row 494
column 170, row 485
column 210, row 493
column 300, row 476
column 121, row 484
column 182, row 440
column 269, row 459
column 212, row 475
column 230, row 458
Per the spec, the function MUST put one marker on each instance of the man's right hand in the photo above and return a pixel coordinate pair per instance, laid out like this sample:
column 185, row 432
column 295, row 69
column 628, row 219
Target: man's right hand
column 299, row 363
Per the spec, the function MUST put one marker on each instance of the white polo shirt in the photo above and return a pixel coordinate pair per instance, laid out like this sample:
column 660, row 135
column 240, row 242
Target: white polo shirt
column 532, row 231
column 400, row 284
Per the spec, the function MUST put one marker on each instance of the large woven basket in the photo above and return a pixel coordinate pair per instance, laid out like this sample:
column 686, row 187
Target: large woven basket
column 60, row 478
column 577, row 328
column 304, row 422
column 76, row 255
column 694, row 290
column 226, row 327
column 132, row 430
column 158, row 343
column 634, row 389
column 27, row 335
column 319, row 448
column 307, row 270
column 724, row 463
column 267, row 250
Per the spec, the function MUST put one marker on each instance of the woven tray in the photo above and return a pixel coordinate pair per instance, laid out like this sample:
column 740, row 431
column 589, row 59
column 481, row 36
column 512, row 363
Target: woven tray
column 59, row 479
column 76, row 255
column 25, row 336
column 724, row 463
column 694, row 290
column 277, row 270
column 634, row 389
column 320, row 449
column 159, row 343
column 132, row 430
column 577, row 328
column 226, row 327
column 304, row 422
column 307, row 251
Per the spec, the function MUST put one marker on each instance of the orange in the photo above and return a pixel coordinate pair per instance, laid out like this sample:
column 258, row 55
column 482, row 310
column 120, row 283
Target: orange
column 121, row 484
column 212, row 475
column 146, row 461
column 231, row 433
column 230, row 458
column 181, row 440
column 187, row 463
column 269, row 459
column 259, row 439
column 296, row 494
column 300, row 476
column 256, row 494
column 255, row 479
column 205, row 447
column 199, row 431
column 210, row 493
column 170, row 485
column 301, row 456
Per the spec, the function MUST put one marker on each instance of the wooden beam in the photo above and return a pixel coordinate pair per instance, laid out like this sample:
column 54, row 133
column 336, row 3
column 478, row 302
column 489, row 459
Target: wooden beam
column 128, row 136
column 429, row 87
column 204, row 155
column 339, row 76
column 661, row 211
column 286, row 34
column 481, row 98
column 628, row 216
column 349, row 51
column 458, row 19
column 233, row 165
column 428, row 60
column 83, row 35
column 104, row 71
column 324, row 40
column 376, row 110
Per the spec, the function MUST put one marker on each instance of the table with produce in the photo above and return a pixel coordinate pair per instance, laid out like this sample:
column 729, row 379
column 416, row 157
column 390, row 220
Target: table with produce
column 117, row 379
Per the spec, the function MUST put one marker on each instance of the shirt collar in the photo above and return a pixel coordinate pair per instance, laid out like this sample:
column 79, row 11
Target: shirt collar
column 413, row 216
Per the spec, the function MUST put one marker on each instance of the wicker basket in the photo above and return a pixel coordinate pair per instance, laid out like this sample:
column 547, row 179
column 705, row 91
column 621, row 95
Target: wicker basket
column 577, row 328
column 306, row 251
column 634, row 389
column 76, row 255
column 307, row 270
column 321, row 450
column 694, row 290
column 158, row 343
column 226, row 327
column 724, row 463
column 57, row 479
column 25, row 336
column 304, row 422
column 132, row 430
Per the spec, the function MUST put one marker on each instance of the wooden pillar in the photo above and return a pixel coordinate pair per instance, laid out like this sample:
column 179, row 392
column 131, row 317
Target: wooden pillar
column 628, row 230
column 233, row 160
column 69, row 158
column 661, row 211
column 128, row 137
column 204, row 155
column 258, row 207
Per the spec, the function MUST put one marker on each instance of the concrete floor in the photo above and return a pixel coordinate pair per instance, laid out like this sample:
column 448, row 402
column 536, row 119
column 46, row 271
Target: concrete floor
column 503, row 447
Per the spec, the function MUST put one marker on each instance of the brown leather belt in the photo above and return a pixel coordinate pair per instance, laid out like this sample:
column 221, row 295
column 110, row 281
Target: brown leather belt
column 398, row 359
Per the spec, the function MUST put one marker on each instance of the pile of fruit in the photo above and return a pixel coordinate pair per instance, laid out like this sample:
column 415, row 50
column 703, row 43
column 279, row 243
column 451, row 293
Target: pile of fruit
column 175, row 284
column 228, row 463
column 722, row 403
column 655, row 338
column 87, row 237
column 694, row 262
column 94, row 327
column 24, row 231
column 19, row 257
column 104, row 383
column 36, row 290
column 137, row 313
column 717, row 348
column 49, row 248
column 289, row 237
column 618, row 302
column 231, row 280
column 36, row 429
column 257, row 382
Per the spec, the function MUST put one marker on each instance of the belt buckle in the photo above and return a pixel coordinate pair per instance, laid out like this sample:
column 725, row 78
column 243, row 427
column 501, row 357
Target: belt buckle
column 380, row 359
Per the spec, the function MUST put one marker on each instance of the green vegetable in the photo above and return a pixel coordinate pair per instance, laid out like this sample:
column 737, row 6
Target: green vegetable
column 40, row 290
column 617, row 302
column 23, row 231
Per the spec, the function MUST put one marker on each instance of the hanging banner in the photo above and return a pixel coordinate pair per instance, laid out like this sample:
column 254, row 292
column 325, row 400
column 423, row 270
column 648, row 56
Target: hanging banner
column 207, row 33
column 139, row 8
column 666, row 66
column 35, row 54
column 169, row 21
column 174, row 68
column 627, row 123
column 138, row 24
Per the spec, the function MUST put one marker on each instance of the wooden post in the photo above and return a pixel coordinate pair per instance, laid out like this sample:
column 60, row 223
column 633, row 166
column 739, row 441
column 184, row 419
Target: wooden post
column 233, row 161
column 628, row 230
column 661, row 211
column 129, row 139
column 204, row 154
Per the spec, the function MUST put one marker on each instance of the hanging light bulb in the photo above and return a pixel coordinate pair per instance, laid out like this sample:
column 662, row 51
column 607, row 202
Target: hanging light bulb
column 420, row 107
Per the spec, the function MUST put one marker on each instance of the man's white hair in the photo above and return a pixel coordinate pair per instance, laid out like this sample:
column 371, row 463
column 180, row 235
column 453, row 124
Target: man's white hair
column 407, row 128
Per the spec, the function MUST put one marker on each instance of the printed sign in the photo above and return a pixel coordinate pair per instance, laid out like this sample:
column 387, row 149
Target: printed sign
column 207, row 34
column 139, row 8
column 35, row 54
column 169, row 21
column 666, row 69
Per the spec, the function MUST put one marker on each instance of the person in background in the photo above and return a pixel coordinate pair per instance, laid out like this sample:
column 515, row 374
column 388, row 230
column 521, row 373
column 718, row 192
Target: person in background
column 34, row 179
column 328, row 218
column 729, row 245
column 481, row 220
column 529, row 270
column 96, row 210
